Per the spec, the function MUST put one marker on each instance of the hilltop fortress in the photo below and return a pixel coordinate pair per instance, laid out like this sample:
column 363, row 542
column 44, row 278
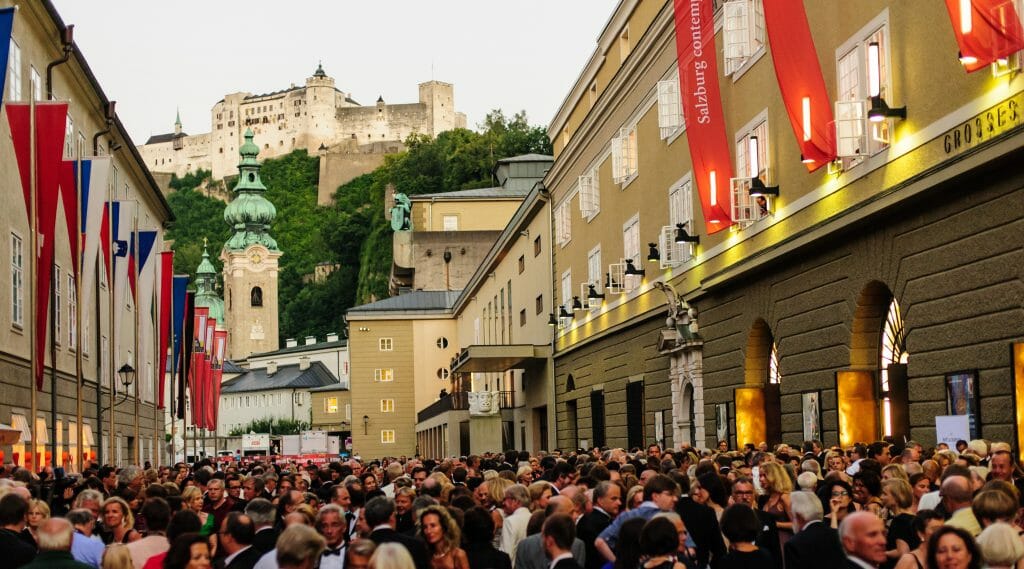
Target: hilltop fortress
column 351, row 139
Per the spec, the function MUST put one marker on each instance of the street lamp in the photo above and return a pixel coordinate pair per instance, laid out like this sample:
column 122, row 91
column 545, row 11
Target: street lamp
column 127, row 375
column 366, row 423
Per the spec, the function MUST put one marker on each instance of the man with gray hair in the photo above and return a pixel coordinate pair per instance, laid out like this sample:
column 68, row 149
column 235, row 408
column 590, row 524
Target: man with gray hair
column 299, row 547
column 262, row 513
column 607, row 503
column 513, row 530
column 55, row 536
column 863, row 538
column 130, row 477
column 85, row 547
column 815, row 544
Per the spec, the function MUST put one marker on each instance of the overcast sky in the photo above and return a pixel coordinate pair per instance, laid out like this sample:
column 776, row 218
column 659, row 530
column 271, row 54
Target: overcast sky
column 155, row 56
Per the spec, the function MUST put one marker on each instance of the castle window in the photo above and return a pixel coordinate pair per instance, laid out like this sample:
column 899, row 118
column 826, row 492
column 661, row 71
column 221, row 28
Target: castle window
column 256, row 296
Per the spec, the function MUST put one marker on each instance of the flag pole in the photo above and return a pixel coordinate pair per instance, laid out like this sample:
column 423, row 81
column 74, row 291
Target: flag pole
column 77, row 262
column 137, row 450
column 33, row 268
column 158, row 374
column 111, row 347
column 171, row 407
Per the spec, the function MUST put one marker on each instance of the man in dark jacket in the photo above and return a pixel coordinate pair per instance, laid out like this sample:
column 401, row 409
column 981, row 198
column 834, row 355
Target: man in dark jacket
column 768, row 535
column 607, row 502
column 380, row 516
column 702, row 524
column 815, row 544
column 17, row 551
column 55, row 535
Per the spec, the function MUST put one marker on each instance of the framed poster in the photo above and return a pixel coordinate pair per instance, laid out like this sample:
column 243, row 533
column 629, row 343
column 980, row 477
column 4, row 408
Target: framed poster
column 659, row 428
column 962, row 398
column 810, row 408
column 721, row 422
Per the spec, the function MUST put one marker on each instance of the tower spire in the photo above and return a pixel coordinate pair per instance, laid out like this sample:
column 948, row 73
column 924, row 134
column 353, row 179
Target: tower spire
column 177, row 121
column 250, row 213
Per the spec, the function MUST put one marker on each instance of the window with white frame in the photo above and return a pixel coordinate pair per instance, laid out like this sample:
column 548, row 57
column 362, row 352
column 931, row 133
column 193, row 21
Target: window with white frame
column 69, row 138
column 563, row 223
column 862, row 67
column 387, row 405
column 594, row 269
column 58, row 308
column 590, row 195
column 14, row 72
column 387, row 436
column 743, row 33
column 670, row 106
column 385, row 344
column 680, row 212
column 36, row 82
column 450, row 222
column 17, row 281
column 631, row 239
column 330, row 405
column 384, row 374
column 751, row 162
column 567, row 289
column 348, row 411
column 624, row 155
column 72, row 311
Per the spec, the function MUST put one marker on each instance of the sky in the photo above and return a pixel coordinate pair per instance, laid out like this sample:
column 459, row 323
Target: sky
column 156, row 57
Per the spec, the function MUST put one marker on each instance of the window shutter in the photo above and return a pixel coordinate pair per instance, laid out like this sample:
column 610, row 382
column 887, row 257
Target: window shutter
column 736, row 34
column 851, row 117
column 757, row 23
column 590, row 203
column 616, row 278
column 618, row 171
column 744, row 208
column 670, row 116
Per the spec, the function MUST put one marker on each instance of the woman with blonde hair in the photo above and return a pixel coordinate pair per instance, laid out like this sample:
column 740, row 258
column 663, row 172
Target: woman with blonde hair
column 118, row 522
column 38, row 512
column 634, row 497
column 117, row 557
column 524, row 475
column 777, row 486
column 1001, row 547
column 540, row 493
column 892, row 471
column 192, row 498
column 442, row 536
column 898, row 498
column 834, row 461
column 391, row 556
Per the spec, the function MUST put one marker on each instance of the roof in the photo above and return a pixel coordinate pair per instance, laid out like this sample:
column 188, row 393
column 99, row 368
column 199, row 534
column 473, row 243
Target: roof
column 335, row 387
column 158, row 138
column 478, row 193
column 420, row 300
column 303, row 348
column 231, row 367
column 287, row 377
column 528, row 158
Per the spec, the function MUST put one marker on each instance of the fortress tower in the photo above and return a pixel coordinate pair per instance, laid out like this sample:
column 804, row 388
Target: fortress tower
column 250, row 259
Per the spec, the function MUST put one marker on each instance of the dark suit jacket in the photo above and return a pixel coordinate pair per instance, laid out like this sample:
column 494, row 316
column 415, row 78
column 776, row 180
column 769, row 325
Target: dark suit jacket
column 589, row 527
column 265, row 540
column 817, row 545
column 702, row 524
column 16, row 552
column 416, row 547
column 567, row 564
column 246, row 559
column 485, row 556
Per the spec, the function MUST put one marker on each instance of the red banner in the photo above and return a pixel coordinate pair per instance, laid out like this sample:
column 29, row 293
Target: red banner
column 69, row 199
column 989, row 31
column 166, row 292
column 49, row 122
column 220, row 340
column 800, row 80
column 702, row 109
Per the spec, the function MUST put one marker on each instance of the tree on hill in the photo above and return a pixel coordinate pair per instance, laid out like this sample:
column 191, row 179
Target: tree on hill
column 197, row 216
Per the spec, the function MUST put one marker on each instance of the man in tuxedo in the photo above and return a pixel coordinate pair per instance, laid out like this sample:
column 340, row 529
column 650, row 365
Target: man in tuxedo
column 815, row 544
column 607, row 502
column 531, row 553
column 768, row 536
column 236, row 535
column 558, row 534
column 262, row 513
column 330, row 522
column 380, row 516
column 702, row 523
column 863, row 538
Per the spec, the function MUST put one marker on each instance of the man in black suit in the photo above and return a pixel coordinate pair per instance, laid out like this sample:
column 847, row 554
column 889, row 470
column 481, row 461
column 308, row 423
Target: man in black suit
column 863, row 537
column 380, row 516
column 330, row 522
column 17, row 552
column 815, row 544
column 702, row 523
column 558, row 534
column 236, row 535
column 262, row 513
column 607, row 502
column 768, row 535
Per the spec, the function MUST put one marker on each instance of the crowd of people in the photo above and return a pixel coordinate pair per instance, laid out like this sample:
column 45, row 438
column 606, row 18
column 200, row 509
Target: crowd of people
column 878, row 505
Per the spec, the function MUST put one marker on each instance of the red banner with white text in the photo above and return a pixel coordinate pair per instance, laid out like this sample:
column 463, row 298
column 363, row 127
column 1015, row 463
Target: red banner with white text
column 800, row 80
column 702, row 109
column 165, row 293
column 989, row 30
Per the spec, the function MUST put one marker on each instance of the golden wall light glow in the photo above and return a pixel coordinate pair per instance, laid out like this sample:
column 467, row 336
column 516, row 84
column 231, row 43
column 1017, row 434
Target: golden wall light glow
column 807, row 118
column 1018, row 393
column 874, row 73
column 712, row 180
column 858, row 415
column 751, row 426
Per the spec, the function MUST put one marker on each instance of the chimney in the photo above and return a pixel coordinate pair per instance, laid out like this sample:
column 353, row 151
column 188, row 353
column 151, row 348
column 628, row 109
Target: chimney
column 310, row 340
column 271, row 368
column 332, row 336
column 290, row 343
column 303, row 363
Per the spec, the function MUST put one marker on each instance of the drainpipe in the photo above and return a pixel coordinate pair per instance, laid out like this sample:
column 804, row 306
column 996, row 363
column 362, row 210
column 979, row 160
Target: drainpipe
column 68, row 43
column 552, row 422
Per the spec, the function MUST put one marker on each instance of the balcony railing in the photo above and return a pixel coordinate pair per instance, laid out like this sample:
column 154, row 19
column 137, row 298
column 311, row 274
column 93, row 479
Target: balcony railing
column 459, row 401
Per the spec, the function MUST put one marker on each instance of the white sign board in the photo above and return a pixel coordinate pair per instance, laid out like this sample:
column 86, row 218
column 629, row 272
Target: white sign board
column 952, row 428
column 260, row 441
column 314, row 441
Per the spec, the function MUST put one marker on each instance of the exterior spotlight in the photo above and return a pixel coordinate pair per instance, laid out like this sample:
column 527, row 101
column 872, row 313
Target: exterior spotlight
column 757, row 188
column 806, row 159
column 880, row 109
column 551, row 320
column 683, row 237
column 577, row 304
column 653, row 255
column 563, row 313
column 632, row 271
column 592, row 293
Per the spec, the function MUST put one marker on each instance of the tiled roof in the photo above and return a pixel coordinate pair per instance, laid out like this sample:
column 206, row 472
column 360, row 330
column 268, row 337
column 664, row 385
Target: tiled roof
column 420, row 300
column 528, row 158
column 158, row 138
column 303, row 348
column 478, row 193
column 287, row 377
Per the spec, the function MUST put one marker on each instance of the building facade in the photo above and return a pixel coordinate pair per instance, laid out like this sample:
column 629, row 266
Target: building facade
column 871, row 294
column 40, row 37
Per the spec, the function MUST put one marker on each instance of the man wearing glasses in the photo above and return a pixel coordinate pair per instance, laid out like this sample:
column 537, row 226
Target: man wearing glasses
column 660, row 495
column 768, row 535
column 234, row 486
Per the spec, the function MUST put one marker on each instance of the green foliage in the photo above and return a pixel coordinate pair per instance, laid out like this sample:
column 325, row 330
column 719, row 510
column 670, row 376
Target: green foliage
column 197, row 216
column 271, row 425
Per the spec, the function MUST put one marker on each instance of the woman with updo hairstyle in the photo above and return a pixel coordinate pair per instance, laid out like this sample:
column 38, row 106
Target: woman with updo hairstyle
column 919, row 485
column 1000, row 545
column 991, row 506
column 926, row 522
column 391, row 556
column 953, row 548
column 835, row 462
column 634, row 497
column 524, row 475
column 441, row 534
column 741, row 526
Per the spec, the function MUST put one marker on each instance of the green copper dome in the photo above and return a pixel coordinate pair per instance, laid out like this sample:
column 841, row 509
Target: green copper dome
column 206, row 283
column 250, row 213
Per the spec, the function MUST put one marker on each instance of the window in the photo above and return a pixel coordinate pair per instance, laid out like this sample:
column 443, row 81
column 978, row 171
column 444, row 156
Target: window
column 563, row 224
column 443, row 373
column 590, row 195
column 387, row 405
column 387, row 436
column 69, row 138
column 14, row 72
column 72, row 312
column 751, row 162
column 384, row 374
column 18, row 281
column 522, row 264
column 442, row 342
column 385, row 345
column 680, row 211
column 624, row 156
column 36, row 82
column 567, row 289
column 856, row 136
column 539, row 304
column 743, row 33
column 58, row 308
column 450, row 222
column 256, row 296
column 522, row 317
column 670, row 106
column 331, row 405
column 536, row 246
column 631, row 239
column 594, row 275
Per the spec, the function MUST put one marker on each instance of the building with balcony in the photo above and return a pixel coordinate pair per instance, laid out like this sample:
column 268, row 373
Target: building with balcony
column 848, row 241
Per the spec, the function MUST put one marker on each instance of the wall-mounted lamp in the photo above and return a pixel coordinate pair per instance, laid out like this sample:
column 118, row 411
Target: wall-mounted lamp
column 563, row 313
column 366, row 424
column 683, row 237
column 757, row 185
column 592, row 293
column 632, row 271
column 806, row 159
column 577, row 304
column 552, row 321
column 653, row 256
column 880, row 109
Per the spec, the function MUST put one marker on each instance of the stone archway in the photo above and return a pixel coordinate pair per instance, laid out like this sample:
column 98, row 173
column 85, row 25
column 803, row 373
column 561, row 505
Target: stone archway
column 686, row 375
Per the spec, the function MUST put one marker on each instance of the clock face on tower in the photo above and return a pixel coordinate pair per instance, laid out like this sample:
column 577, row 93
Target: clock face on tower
column 255, row 258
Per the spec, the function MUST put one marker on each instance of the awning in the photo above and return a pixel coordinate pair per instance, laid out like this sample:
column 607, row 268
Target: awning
column 44, row 434
column 499, row 358
column 87, row 436
column 8, row 434
column 21, row 425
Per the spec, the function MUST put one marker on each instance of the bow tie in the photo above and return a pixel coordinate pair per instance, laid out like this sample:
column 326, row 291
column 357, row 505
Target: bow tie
column 329, row 552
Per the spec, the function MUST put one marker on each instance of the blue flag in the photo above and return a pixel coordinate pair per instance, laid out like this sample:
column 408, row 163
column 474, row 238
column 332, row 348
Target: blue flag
column 179, row 288
column 6, row 22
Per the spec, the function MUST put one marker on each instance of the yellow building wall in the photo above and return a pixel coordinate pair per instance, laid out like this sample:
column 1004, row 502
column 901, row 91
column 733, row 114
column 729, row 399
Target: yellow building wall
column 322, row 419
column 367, row 394
column 472, row 215
column 434, row 345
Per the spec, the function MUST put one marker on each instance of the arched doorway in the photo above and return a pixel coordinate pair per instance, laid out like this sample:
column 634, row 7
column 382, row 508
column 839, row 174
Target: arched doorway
column 758, row 403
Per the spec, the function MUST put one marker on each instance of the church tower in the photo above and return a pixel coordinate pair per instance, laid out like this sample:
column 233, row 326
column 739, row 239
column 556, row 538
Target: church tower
column 206, row 289
column 250, row 262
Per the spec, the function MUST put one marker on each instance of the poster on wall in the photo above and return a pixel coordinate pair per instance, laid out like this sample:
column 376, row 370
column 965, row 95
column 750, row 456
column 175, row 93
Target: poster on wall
column 962, row 398
column 659, row 428
column 811, row 412
column 721, row 422
column 952, row 428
